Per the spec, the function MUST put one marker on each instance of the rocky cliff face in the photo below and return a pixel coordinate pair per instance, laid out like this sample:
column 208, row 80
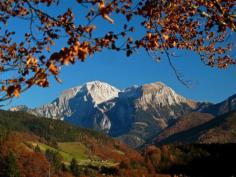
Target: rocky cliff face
column 78, row 101
column 133, row 114
column 141, row 112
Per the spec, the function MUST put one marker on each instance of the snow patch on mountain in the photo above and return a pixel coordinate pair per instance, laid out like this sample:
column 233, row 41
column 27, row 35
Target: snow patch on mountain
column 100, row 91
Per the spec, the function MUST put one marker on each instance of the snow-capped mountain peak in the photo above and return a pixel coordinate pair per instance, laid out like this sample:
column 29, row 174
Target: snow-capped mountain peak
column 161, row 94
column 139, row 110
column 100, row 91
column 156, row 93
column 78, row 100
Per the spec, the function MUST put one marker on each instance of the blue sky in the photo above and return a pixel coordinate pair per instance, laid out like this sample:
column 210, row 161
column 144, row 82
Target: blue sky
column 209, row 84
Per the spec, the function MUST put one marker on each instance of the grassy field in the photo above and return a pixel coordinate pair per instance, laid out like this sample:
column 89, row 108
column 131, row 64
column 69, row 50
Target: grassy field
column 75, row 149
column 69, row 150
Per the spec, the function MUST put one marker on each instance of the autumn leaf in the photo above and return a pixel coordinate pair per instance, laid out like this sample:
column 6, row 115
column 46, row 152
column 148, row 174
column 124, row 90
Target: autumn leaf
column 89, row 28
column 16, row 92
column 48, row 49
column 12, row 49
column 174, row 44
column 149, row 35
column 4, row 88
column 31, row 61
column 12, row 81
column 103, row 11
column 82, row 53
column 165, row 36
column 53, row 68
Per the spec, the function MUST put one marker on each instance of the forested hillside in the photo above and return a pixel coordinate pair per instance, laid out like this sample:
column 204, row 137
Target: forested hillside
column 39, row 147
column 31, row 146
column 218, row 130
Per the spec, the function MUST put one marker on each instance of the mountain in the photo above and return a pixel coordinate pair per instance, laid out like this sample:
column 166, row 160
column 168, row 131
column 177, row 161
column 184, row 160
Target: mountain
column 185, row 127
column 141, row 112
column 221, row 108
column 183, row 123
column 79, row 105
column 132, row 115
column 184, row 132
column 218, row 130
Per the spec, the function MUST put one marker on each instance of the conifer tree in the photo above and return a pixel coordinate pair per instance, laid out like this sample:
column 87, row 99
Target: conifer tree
column 74, row 167
column 11, row 166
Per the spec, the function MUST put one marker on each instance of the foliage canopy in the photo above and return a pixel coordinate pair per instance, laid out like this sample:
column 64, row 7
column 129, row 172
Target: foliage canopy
column 200, row 26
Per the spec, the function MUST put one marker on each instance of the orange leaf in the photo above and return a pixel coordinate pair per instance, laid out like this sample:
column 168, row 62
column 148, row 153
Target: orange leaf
column 16, row 92
column 48, row 48
column 82, row 53
column 149, row 35
column 4, row 88
column 165, row 36
column 105, row 16
column 31, row 61
column 53, row 69
column 104, row 12
column 14, row 89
